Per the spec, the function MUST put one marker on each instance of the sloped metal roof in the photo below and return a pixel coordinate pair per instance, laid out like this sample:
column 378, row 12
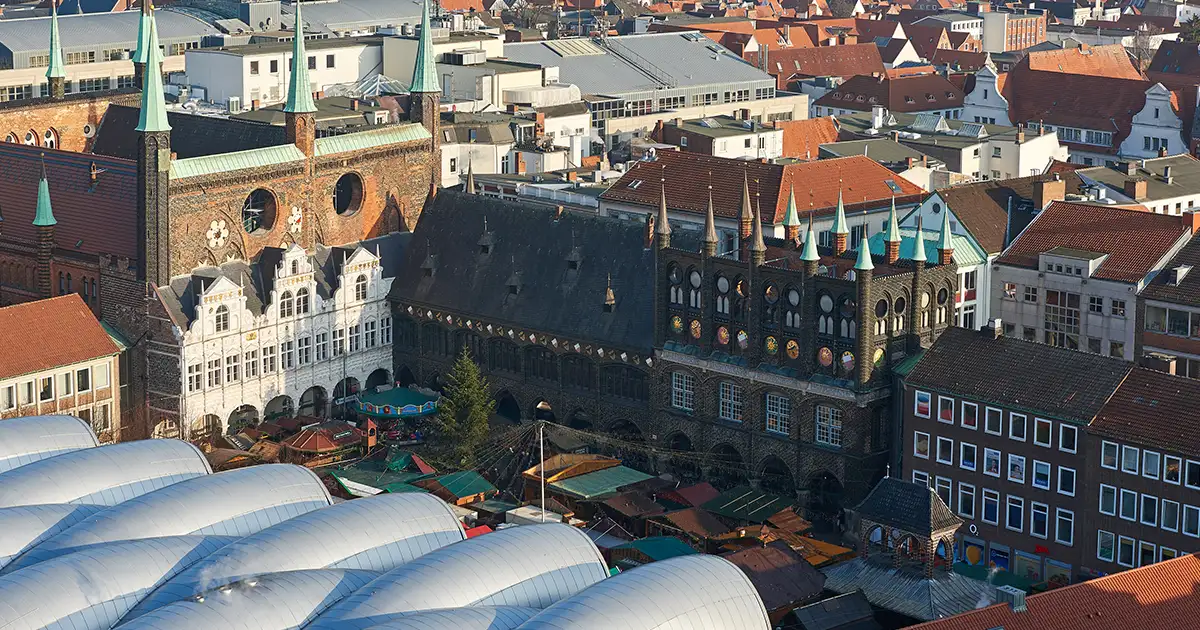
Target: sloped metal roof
column 238, row 160
column 361, row 140
column 29, row 439
column 108, row 30
column 27, row 525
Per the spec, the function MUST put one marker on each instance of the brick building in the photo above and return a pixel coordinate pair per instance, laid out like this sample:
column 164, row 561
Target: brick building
column 162, row 194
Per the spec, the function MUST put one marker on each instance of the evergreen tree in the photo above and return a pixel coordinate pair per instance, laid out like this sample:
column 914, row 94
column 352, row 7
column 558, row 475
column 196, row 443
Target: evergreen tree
column 464, row 411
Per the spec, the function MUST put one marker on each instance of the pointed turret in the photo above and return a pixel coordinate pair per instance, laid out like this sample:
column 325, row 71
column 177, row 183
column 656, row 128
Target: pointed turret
column 746, row 218
column 662, row 224
column 43, row 222
column 425, row 77
column 758, row 249
column 425, row 95
column 919, row 247
column 141, row 52
column 299, row 98
column 56, row 76
column 44, row 217
column 864, row 261
column 840, row 228
column 945, row 243
column 892, row 238
column 710, row 227
column 470, row 186
column 810, row 254
column 154, row 107
column 791, row 219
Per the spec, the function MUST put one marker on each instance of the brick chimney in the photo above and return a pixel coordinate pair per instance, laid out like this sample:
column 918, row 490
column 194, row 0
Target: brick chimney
column 1191, row 221
column 1135, row 188
column 1047, row 191
column 1162, row 152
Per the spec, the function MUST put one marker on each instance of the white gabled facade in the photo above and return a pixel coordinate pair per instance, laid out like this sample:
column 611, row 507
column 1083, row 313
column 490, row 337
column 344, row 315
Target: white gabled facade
column 296, row 353
column 1156, row 127
column 985, row 103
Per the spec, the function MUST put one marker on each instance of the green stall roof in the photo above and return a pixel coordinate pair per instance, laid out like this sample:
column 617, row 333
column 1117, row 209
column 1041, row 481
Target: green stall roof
column 747, row 504
column 599, row 483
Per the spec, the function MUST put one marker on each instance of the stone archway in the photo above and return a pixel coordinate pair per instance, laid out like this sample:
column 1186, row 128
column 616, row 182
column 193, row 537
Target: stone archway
column 633, row 455
column 314, row 402
column 684, row 467
column 278, row 407
column 345, row 399
column 543, row 410
column 436, row 383
column 580, row 419
column 507, row 407
column 377, row 378
column 776, row 477
column 825, row 496
column 405, row 377
column 728, row 467
column 243, row 417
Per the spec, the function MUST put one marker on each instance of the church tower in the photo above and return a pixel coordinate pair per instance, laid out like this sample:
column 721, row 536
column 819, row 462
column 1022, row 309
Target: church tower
column 56, row 75
column 300, row 123
column 425, row 95
column 153, row 168
column 143, row 49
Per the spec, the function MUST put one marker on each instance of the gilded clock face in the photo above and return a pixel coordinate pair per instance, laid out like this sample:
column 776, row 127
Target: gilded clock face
column 825, row 357
column 793, row 349
column 695, row 326
column 771, row 345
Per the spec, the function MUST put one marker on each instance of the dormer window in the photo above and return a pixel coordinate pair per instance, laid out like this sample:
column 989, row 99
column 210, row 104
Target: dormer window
column 295, row 267
column 485, row 249
column 513, row 289
column 221, row 319
column 573, row 265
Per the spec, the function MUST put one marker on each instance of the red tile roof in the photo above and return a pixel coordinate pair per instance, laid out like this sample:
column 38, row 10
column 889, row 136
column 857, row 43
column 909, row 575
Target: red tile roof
column 1162, row 595
column 1153, row 409
column 822, row 61
column 900, row 94
column 1096, row 61
column 93, row 220
column 59, row 331
column 863, row 182
column 982, row 207
column 1136, row 242
column 927, row 39
column 963, row 60
column 803, row 138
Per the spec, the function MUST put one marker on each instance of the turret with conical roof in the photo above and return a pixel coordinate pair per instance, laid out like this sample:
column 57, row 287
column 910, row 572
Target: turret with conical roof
column 791, row 218
column 56, row 75
column 153, row 169
column 710, row 227
column 945, row 243
column 153, row 116
column 43, row 222
column 919, row 246
column 425, row 95
column 662, row 224
column 864, row 261
column 142, row 51
column 300, row 123
column 840, row 229
column 758, row 248
column 891, row 239
column 810, row 254
column 469, row 187
column 746, row 217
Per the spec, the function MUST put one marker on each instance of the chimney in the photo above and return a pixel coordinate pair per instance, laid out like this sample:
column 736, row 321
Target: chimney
column 896, row 137
column 1191, row 221
column 1167, row 175
column 744, row 114
column 1012, row 596
column 572, row 176
column 678, row 122
column 512, row 108
column 993, row 329
column 539, row 124
column 1020, row 134
column 910, row 160
column 1135, row 188
column 354, row 104
column 1159, row 362
column 254, row 105
column 1162, row 152
column 1129, row 168
column 1047, row 191
column 319, row 95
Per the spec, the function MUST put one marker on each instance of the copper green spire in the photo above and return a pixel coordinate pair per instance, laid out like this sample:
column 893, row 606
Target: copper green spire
column 299, row 100
column 919, row 249
column 425, row 73
column 791, row 219
column 56, row 59
column 944, row 242
column 864, row 262
column 710, row 223
column 45, row 214
column 143, row 45
column 839, row 219
column 154, row 107
column 810, row 244
column 893, row 228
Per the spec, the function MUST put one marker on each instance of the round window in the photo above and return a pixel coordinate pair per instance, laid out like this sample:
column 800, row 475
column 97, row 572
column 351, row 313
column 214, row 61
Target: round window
column 676, row 276
column 937, row 208
column 740, row 287
column 825, row 357
column 847, row 308
column 694, row 279
column 881, row 308
column 348, row 194
column 793, row 297
column 943, row 295
column 771, row 294
column 924, row 299
column 723, row 284
column 848, row 361
column 826, row 304
column 898, row 307
column 258, row 212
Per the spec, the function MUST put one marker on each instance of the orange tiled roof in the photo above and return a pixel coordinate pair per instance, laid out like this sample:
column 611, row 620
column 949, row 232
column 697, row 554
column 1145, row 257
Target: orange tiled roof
column 821, row 61
column 1162, row 595
column 803, row 138
column 1096, row 61
column 60, row 331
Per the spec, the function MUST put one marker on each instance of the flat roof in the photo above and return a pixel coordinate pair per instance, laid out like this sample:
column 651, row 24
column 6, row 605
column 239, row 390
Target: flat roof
column 97, row 30
column 723, row 127
column 878, row 149
column 310, row 44
column 1185, row 176
column 342, row 15
column 861, row 123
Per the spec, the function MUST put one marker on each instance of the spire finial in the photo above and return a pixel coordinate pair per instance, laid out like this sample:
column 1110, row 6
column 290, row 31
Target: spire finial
column 55, row 69
column 44, row 217
column 839, row 218
column 470, row 187
column 710, row 223
column 299, row 99
column 153, row 116
column 747, row 209
column 425, row 78
column 893, row 230
column 944, row 241
column 919, row 248
column 791, row 218
column 864, row 262
column 757, row 246
column 610, row 298
column 810, row 253
column 662, row 225
column 141, row 53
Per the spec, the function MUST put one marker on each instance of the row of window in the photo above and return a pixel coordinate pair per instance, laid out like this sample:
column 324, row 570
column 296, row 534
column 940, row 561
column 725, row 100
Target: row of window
column 98, row 416
column 1116, row 308
column 1039, row 524
column 291, row 306
column 1150, row 464
column 47, row 388
column 303, row 351
column 274, row 64
column 1150, row 510
column 730, row 403
column 1128, row 552
column 1041, row 477
column 1172, row 321
column 993, row 422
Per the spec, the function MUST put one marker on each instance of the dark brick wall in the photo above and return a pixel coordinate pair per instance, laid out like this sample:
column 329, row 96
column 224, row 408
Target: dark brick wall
column 66, row 117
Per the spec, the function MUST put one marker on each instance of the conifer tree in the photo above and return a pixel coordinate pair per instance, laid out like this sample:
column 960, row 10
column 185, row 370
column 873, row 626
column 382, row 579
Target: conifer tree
column 464, row 410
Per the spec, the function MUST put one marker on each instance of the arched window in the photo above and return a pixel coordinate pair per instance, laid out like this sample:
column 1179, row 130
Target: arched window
column 471, row 341
column 436, row 340
column 360, row 288
column 285, row 304
column 62, row 283
column 406, row 333
column 50, row 139
column 624, row 381
column 31, row 138
column 541, row 363
column 295, row 267
column 302, row 301
column 221, row 321
column 93, row 283
column 68, row 283
column 578, row 372
column 12, row 137
column 503, row 356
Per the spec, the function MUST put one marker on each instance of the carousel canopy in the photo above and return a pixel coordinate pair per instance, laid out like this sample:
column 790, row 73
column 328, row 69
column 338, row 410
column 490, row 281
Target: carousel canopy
column 398, row 402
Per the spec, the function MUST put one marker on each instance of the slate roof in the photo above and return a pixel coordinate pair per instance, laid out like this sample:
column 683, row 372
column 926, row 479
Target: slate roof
column 191, row 135
column 782, row 577
column 1161, row 595
column 61, row 331
column 864, row 184
column 1010, row 372
column 900, row 94
column 91, row 219
column 982, row 207
column 1185, row 177
column 1153, row 409
column 909, row 507
column 964, row 60
column 1175, row 64
column 850, row 611
column 527, row 240
column 1136, row 241
column 823, row 61
column 1186, row 292
column 908, row 592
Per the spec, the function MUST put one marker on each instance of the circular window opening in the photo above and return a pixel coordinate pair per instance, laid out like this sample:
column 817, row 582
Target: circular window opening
column 942, row 295
column 847, row 308
column 881, row 308
column 348, row 194
column 900, row 304
column 258, row 212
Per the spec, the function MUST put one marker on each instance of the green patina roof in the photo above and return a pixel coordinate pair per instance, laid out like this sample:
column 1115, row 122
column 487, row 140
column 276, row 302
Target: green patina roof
column 376, row 477
column 139, row 53
column 747, row 504
column 966, row 252
column 810, row 252
column 299, row 98
column 361, row 140
column 45, row 214
column 495, row 506
column 397, row 402
column 401, row 488
column 904, row 367
column 55, row 68
column 599, row 483
column 118, row 338
column 153, row 115
column 465, row 483
column 659, row 547
column 864, row 262
column 425, row 77
column 225, row 162
column 839, row 218
column 791, row 218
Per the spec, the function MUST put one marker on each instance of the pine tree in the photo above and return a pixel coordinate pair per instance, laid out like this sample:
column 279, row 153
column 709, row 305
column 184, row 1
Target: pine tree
column 465, row 409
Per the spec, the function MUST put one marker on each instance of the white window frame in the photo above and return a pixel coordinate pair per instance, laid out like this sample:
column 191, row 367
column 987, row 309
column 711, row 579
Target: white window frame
column 1125, row 450
column 1162, row 518
column 924, row 477
column 195, row 377
column 1151, row 472
column 1100, row 534
column 779, row 414
column 1142, row 544
column 1059, row 514
column 987, row 414
column 995, row 498
column 1035, row 508
column 928, row 444
column 999, row 474
column 683, row 391
column 974, row 413
column 730, row 403
column 11, row 397
column 1115, row 500
column 1162, row 553
column 1189, row 509
column 917, row 403
column 1184, row 475
column 1033, row 481
column 944, row 482
column 949, row 404
column 962, row 460
column 1012, row 457
column 1106, row 445
column 966, row 490
column 88, row 386
column 1132, row 547
column 1009, row 502
column 1039, row 422
column 1142, row 510
column 829, row 423
column 1125, row 492
column 1074, row 481
column 949, row 449
column 1166, row 466
column 1024, row 426
column 67, row 379
column 1063, row 428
